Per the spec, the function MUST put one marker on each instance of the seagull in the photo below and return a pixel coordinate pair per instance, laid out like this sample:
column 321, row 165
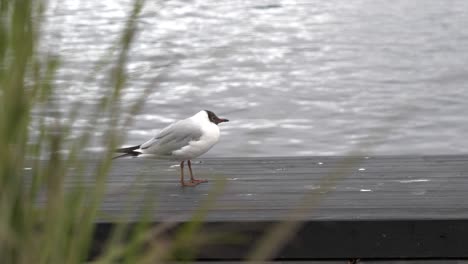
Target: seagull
column 182, row 141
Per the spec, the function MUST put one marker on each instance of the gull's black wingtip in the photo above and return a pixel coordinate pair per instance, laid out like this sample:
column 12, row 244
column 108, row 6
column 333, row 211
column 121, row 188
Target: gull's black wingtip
column 128, row 152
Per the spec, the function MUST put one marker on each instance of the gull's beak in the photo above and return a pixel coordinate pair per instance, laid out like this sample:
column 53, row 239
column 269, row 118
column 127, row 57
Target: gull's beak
column 221, row 120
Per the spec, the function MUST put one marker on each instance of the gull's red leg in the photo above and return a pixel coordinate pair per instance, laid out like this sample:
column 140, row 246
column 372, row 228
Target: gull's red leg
column 182, row 182
column 192, row 179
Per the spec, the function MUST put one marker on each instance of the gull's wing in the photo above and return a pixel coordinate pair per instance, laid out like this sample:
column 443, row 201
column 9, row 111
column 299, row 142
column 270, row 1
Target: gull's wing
column 172, row 138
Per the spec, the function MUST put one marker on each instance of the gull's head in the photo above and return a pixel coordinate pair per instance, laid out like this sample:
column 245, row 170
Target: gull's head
column 214, row 118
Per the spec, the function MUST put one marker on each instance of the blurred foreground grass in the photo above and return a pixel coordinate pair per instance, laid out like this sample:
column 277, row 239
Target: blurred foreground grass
column 61, row 230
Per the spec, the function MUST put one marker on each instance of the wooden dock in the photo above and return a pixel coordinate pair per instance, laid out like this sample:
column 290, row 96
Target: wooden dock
column 385, row 207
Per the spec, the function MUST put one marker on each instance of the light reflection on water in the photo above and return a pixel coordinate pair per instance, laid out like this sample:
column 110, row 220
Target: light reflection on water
column 307, row 78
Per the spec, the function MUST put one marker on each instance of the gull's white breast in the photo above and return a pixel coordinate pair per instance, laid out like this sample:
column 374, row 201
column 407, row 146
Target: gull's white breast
column 195, row 148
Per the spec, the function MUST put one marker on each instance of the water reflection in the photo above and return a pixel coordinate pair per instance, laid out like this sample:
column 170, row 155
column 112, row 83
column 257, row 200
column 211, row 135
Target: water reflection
column 299, row 78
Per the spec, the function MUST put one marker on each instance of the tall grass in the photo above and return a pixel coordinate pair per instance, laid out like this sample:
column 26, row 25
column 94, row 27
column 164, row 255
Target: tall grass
column 42, row 220
column 61, row 229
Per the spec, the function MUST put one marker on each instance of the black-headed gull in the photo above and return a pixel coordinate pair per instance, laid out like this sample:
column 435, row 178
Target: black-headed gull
column 183, row 140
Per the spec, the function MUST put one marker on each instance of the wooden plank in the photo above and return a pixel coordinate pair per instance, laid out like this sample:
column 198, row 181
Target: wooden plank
column 393, row 187
column 363, row 207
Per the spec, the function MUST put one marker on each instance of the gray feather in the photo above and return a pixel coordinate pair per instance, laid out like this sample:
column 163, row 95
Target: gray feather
column 173, row 137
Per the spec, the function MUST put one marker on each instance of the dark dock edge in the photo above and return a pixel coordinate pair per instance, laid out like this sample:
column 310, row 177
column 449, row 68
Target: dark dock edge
column 341, row 239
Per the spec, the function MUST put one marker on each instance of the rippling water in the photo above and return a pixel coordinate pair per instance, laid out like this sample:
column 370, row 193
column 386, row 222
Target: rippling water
column 294, row 77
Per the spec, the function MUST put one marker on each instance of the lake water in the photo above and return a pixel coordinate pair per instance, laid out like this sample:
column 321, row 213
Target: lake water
column 294, row 77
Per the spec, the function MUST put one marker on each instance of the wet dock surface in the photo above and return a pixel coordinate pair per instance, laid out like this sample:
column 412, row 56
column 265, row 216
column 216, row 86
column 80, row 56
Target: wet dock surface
column 383, row 207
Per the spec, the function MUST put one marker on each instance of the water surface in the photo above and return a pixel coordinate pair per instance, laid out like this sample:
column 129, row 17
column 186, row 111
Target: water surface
column 294, row 77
